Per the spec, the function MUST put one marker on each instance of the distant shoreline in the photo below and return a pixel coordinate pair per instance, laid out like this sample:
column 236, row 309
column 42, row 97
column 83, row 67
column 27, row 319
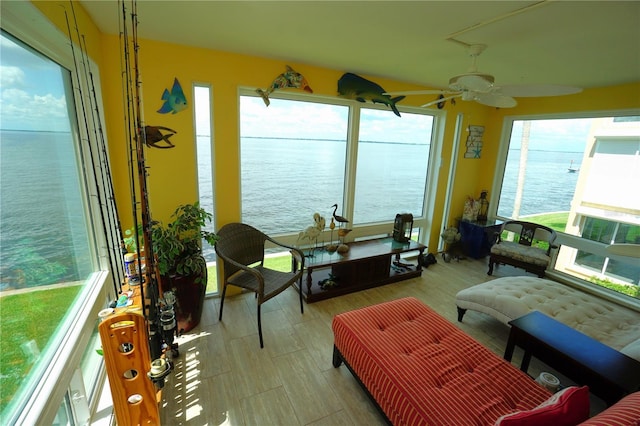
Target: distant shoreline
column 293, row 139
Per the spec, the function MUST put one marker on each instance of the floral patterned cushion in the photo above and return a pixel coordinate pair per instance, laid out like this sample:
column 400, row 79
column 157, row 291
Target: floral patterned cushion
column 533, row 255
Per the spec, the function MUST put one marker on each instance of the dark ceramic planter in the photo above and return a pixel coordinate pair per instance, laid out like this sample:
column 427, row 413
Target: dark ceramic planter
column 189, row 299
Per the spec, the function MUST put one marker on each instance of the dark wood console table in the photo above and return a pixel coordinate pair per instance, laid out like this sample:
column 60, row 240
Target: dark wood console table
column 608, row 373
column 367, row 264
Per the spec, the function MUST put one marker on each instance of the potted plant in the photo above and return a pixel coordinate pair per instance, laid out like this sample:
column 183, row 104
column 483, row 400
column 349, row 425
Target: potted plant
column 177, row 247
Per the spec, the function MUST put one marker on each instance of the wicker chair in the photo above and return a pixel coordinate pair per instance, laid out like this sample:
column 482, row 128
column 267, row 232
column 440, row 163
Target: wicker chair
column 241, row 249
column 523, row 251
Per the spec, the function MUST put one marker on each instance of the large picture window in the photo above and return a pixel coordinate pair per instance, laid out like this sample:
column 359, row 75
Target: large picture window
column 393, row 155
column 55, row 250
column 575, row 175
column 292, row 161
column 299, row 157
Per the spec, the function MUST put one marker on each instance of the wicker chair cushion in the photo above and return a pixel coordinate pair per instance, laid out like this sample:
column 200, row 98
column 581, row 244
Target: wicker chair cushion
column 273, row 280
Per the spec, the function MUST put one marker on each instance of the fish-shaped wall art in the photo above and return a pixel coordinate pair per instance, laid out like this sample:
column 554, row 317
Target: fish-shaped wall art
column 289, row 78
column 174, row 100
column 352, row 86
column 154, row 136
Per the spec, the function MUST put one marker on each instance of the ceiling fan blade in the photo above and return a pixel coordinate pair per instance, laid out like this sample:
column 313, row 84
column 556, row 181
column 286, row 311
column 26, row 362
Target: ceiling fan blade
column 416, row 92
column 495, row 100
column 538, row 90
column 437, row 101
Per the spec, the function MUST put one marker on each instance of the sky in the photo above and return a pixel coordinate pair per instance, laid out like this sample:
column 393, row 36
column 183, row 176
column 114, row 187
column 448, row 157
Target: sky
column 310, row 120
column 31, row 91
column 291, row 119
column 566, row 135
column 32, row 98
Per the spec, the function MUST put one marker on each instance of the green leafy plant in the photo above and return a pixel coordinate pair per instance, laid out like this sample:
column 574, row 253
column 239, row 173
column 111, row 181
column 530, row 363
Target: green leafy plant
column 178, row 244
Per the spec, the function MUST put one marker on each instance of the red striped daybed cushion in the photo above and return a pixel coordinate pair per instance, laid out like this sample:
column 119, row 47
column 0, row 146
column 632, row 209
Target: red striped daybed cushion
column 422, row 370
column 625, row 412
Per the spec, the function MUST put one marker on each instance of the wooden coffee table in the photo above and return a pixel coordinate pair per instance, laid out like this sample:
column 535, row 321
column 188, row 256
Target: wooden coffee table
column 608, row 373
column 367, row 264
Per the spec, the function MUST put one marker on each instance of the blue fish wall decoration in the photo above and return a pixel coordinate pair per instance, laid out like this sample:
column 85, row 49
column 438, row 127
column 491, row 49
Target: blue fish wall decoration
column 352, row 86
column 174, row 101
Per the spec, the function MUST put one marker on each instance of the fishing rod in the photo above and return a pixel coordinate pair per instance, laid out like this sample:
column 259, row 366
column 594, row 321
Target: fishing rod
column 88, row 141
column 112, row 212
column 115, row 266
column 128, row 119
column 155, row 328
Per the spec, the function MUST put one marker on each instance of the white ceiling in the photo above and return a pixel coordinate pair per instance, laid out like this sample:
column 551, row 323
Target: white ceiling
column 580, row 43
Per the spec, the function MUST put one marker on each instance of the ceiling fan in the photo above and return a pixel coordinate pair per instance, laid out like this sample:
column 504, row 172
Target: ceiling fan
column 479, row 87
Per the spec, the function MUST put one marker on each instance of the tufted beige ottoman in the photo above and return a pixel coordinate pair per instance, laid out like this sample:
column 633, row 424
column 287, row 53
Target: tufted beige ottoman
column 512, row 297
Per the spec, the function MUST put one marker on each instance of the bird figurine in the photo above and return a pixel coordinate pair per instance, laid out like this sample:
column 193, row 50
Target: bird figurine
column 312, row 232
column 342, row 247
column 342, row 232
column 338, row 218
column 332, row 247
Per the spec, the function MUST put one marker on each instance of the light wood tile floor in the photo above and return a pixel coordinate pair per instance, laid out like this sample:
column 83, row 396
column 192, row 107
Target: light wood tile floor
column 222, row 377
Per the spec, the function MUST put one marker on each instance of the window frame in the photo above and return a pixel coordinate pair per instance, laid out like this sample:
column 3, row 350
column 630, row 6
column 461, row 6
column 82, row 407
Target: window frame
column 42, row 400
column 572, row 241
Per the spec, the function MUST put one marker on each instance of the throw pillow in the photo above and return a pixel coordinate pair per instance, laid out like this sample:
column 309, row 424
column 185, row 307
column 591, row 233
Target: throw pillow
column 568, row 407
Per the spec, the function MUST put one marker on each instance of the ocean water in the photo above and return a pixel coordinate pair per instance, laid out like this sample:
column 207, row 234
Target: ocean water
column 43, row 228
column 548, row 185
column 390, row 181
column 287, row 181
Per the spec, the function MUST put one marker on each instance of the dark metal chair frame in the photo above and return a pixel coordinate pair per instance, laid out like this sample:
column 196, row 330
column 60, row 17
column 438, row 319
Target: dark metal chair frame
column 241, row 248
column 526, row 234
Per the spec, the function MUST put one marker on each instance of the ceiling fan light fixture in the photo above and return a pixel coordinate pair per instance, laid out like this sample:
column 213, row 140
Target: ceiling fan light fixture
column 477, row 82
column 468, row 96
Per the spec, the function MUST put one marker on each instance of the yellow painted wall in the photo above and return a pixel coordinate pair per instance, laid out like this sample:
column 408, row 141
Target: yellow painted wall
column 172, row 178
column 79, row 22
column 172, row 172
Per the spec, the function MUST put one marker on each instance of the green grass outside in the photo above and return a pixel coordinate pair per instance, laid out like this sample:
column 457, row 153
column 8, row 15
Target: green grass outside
column 555, row 221
column 25, row 317
column 629, row 290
